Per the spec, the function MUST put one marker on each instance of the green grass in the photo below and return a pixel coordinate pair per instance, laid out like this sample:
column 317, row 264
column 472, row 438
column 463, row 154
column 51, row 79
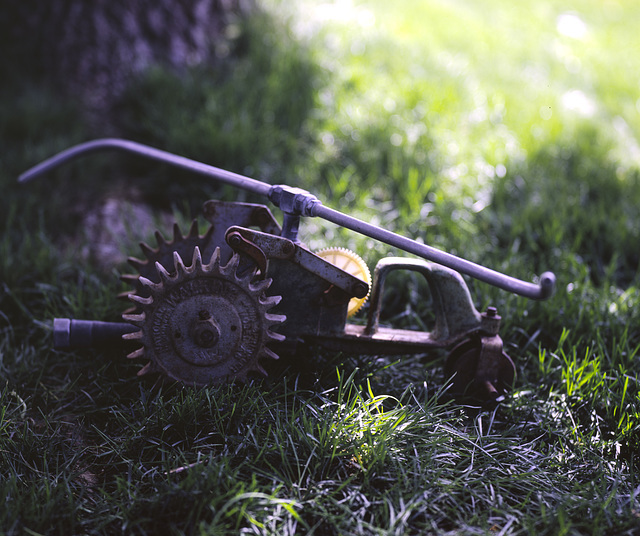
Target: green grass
column 481, row 129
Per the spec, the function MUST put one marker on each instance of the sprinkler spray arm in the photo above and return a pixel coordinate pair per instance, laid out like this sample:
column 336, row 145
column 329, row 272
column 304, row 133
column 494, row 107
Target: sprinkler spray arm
column 295, row 202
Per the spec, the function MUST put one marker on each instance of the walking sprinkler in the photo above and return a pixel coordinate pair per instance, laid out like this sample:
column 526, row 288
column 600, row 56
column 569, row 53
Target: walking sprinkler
column 211, row 308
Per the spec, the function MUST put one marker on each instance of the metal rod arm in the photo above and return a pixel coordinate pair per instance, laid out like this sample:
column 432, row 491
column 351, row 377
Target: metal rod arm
column 534, row 291
column 299, row 202
column 227, row 177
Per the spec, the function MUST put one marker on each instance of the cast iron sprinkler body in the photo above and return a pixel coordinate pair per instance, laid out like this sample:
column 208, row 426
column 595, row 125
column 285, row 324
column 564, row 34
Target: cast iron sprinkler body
column 210, row 308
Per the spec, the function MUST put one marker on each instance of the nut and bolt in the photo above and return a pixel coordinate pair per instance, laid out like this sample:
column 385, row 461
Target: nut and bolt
column 234, row 240
column 288, row 248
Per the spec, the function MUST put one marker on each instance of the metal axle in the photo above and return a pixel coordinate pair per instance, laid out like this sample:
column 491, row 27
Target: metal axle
column 72, row 333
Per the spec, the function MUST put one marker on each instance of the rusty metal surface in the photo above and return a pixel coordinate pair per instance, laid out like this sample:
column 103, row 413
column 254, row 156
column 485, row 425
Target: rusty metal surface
column 456, row 317
column 276, row 247
column 239, row 244
column 203, row 324
column 306, row 302
column 385, row 341
column 453, row 307
column 481, row 371
column 315, row 293
column 224, row 214
column 489, row 363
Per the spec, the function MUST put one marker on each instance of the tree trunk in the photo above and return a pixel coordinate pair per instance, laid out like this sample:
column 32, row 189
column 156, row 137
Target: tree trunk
column 90, row 49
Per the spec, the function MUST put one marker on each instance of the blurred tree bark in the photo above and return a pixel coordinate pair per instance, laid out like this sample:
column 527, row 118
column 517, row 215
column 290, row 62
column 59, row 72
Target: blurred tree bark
column 91, row 48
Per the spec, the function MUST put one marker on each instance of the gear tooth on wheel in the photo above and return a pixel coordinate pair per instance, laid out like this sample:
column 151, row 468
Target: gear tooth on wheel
column 207, row 236
column 270, row 301
column 162, row 272
column 129, row 278
column 193, row 230
column 134, row 336
column 135, row 319
column 177, row 233
column 275, row 337
column 260, row 285
column 147, row 250
column 146, row 369
column 214, row 260
column 231, row 267
column 123, row 295
column 136, row 354
column 271, row 354
column 140, row 300
column 148, row 283
column 163, row 254
column 196, row 260
column 260, row 370
column 275, row 319
column 137, row 264
column 160, row 239
column 178, row 264
column 248, row 275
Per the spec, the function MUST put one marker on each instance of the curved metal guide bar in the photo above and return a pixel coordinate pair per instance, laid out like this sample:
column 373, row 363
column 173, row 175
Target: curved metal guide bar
column 127, row 146
column 311, row 207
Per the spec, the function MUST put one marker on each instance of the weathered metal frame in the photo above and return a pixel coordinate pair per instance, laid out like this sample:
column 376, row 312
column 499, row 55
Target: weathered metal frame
column 317, row 310
column 295, row 202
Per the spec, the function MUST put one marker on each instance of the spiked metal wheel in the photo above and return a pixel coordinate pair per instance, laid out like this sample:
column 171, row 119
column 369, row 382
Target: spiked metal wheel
column 183, row 244
column 203, row 324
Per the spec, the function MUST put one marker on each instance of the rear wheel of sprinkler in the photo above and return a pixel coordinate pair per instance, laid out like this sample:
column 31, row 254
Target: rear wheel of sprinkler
column 474, row 383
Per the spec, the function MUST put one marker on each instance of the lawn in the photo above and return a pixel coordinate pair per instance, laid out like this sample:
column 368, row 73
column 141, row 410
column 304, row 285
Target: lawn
column 506, row 133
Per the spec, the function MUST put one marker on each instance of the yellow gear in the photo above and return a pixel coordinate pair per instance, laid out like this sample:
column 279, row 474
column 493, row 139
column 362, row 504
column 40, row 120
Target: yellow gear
column 353, row 264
